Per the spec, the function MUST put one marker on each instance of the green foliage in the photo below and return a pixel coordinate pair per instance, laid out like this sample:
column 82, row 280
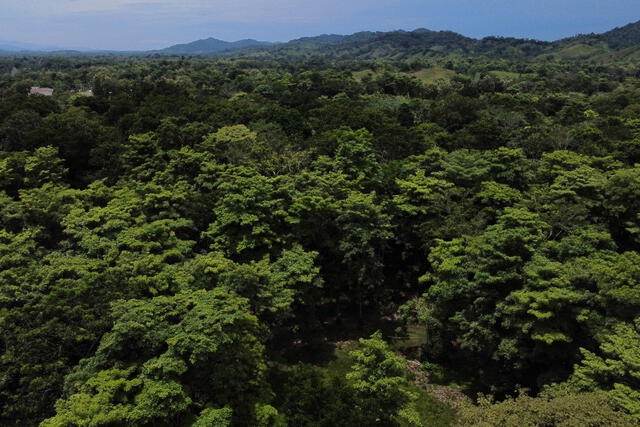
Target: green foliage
column 233, row 144
column 379, row 379
column 201, row 222
column 615, row 368
column 623, row 200
column 510, row 293
column 249, row 214
column 214, row 418
column 355, row 156
column 277, row 289
column 365, row 386
column 309, row 396
column 364, row 228
column 593, row 409
column 148, row 370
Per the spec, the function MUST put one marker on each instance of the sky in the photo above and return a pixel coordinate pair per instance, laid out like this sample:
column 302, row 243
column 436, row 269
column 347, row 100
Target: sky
column 152, row 24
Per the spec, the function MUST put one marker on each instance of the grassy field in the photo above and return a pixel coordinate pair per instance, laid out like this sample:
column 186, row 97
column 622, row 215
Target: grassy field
column 578, row 51
column 432, row 75
column 429, row 75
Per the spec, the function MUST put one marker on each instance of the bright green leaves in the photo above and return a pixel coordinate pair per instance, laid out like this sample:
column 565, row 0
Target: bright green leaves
column 496, row 195
column 214, row 418
column 90, row 247
column 116, row 397
column 573, row 199
column 364, row 230
column 139, row 150
column 623, row 204
column 618, row 279
column 379, row 379
column 560, row 293
column 250, row 214
column 256, row 216
column 458, row 193
column 50, row 316
column 276, row 288
column 594, row 409
column 355, row 156
column 233, row 144
column 615, row 368
column 550, row 293
column 465, row 168
column 504, row 248
column 164, row 228
column 44, row 166
column 138, row 233
column 17, row 253
column 423, row 196
column 168, row 359
column 264, row 147
column 23, row 170
column 377, row 370
column 511, row 293
column 469, row 168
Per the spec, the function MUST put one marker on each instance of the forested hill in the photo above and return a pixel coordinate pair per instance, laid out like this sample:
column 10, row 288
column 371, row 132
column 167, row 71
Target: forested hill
column 626, row 36
column 618, row 44
column 401, row 44
column 211, row 46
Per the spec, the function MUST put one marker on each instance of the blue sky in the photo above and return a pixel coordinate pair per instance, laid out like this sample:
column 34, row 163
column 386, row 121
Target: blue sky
column 149, row 24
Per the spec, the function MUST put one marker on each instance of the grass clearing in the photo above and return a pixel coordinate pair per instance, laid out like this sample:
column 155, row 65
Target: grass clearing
column 433, row 75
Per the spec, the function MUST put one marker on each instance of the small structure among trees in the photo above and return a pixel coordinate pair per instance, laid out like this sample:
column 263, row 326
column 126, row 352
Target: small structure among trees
column 45, row 91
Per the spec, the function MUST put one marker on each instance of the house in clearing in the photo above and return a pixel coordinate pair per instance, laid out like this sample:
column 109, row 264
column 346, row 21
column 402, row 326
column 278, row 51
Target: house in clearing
column 46, row 91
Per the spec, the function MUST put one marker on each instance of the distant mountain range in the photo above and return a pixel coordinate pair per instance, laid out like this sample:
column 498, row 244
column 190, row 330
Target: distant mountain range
column 13, row 46
column 211, row 46
column 618, row 44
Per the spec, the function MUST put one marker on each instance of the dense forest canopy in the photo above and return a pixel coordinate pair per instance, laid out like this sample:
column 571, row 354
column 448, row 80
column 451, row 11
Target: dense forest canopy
column 401, row 239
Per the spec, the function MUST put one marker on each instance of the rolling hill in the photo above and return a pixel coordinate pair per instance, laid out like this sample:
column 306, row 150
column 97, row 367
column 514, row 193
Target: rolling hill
column 623, row 37
column 618, row 44
column 399, row 45
column 211, row 46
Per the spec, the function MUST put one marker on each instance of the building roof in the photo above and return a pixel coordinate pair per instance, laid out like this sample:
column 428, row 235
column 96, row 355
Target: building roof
column 46, row 91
